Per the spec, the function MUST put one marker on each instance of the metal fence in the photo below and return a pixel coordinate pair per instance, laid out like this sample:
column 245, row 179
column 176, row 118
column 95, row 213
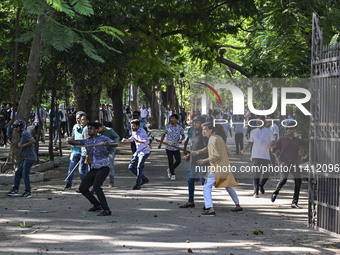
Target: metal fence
column 324, row 183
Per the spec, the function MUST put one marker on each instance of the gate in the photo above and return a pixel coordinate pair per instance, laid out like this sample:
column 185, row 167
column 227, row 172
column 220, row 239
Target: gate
column 324, row 153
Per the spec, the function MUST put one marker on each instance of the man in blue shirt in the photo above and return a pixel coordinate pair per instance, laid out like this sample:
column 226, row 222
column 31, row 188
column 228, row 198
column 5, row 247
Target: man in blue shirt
column 29, row 155
column 140, row 137
column 99, row 163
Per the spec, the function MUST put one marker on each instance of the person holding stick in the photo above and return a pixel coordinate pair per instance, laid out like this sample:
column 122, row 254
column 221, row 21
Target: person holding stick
column 140, row 137
column 97, row 151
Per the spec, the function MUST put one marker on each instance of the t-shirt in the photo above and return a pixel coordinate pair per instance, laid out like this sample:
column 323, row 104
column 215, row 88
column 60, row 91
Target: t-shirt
column 98, row 154
column 262, row 138
column 27, row 152
column 275, row 130
column 143, row 113
column 110, row 133
column 173, row 134
column 198, row 142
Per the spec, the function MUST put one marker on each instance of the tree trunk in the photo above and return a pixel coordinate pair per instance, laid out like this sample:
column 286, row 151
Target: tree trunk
column 29, row 92
column 156, row 104
column 51, row 131
column 93, row 102
column 116, row 94
column 79, row 94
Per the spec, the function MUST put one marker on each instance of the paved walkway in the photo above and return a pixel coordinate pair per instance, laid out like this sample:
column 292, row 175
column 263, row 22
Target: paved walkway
column 149, row 221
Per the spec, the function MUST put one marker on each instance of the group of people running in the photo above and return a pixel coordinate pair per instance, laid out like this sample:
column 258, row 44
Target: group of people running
column 93, row 152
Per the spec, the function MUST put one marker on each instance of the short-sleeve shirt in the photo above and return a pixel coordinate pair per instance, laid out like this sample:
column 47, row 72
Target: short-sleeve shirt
column 98, row 154
column 141, row 135
column 28, row 152
column 275, row 130
column 173, row 134
column 261, row 139
column 110, row 133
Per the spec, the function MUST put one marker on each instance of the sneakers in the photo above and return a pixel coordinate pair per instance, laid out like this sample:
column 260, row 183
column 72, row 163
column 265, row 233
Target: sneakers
column 26, row 195
column 68, row 187
column 256, row 195
column 145, row 181
column 169, row 173
column 262, row 189
column 111, row 185
column 209, row 212
column 13, row 193
column 173, row 177
column 273, row 197
column 295, row 206
column 137, row 187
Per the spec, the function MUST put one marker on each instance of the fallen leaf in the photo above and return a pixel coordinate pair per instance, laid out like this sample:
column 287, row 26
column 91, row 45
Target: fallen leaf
column 187, row 241
column 190, row 251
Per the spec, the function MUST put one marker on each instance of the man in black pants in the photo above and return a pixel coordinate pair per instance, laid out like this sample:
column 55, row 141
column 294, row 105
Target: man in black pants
column 174, row 133
column 288, row 148
column 99, row 164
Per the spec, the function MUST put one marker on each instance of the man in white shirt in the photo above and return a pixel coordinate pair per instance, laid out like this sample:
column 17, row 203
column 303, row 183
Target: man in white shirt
column 261, row 139
column 144, row 114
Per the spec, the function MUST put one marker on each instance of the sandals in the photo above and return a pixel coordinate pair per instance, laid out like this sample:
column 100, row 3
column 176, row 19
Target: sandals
column 104, row 213
column 95, row 208
column 187, row 205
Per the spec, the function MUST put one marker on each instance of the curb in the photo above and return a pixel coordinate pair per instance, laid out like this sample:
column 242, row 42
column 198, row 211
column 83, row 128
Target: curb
column 36, row 174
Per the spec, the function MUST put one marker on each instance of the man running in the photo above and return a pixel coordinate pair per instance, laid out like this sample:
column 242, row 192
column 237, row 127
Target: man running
column 140, row 137
column 288, row 148
column 174, row 133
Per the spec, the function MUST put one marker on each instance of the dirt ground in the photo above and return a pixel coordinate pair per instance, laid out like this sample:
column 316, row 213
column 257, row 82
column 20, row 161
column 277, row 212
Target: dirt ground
column 149, row 221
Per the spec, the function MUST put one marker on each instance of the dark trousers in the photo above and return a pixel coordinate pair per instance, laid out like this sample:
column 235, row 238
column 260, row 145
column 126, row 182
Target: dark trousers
column 133, row 147
column 171, row 155
column 95, row 177
column 260, row 177
column 239, row 142
column 4, row 133
column 297, row 180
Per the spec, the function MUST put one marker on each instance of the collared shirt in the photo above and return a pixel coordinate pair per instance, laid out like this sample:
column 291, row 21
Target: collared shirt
column 289, row 150
column 275, row 130
column 28, row 152
column 173, row 134
column 238, row 128
column 110, row 133
column 76, row 134
column 141, row 135
column 98, row 154
column 143, row 113
column 261, row 139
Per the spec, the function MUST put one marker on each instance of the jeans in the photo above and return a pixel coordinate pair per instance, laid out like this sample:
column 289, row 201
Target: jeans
column 297, row 180
column 10, row 131
column 239, row 142
column 112, row 167
column 23, row 171
column 95, row 177
column 192, row 178
column 136, row 166
column 171, row 155
column 4, row 133
column 211, row 179
column 83, row 168
column 55, row 135
column 260, row 178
